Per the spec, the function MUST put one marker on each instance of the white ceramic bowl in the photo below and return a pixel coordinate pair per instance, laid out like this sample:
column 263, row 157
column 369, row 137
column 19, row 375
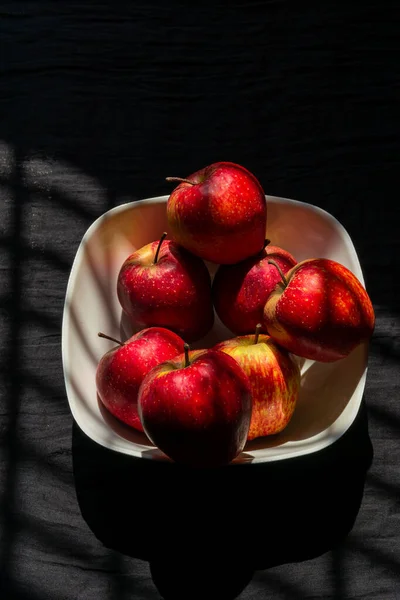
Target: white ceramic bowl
column 330, row 393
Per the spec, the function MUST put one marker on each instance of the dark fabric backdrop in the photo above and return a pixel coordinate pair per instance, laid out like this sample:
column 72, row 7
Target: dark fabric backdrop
column 98, row 103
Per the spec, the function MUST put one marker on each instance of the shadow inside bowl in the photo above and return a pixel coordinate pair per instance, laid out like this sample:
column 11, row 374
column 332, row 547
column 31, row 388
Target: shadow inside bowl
column 121, row 429
column 326, row 390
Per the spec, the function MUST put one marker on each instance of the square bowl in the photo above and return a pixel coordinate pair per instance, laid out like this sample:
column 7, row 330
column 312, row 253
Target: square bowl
column 330, row 394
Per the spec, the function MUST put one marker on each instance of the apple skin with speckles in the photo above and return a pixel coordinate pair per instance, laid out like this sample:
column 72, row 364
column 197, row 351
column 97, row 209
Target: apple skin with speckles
column 197, row 413
column 274, row 377
column 240, row 291
column 322, row 312
column 219, row 213
column 122, row 369
column 173, row 292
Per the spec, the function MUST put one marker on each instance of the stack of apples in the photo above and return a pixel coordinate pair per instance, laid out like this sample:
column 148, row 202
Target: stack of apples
column 201, row 406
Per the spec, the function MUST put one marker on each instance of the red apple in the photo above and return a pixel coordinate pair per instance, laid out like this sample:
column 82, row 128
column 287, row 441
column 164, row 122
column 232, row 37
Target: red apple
column 219, row 213
column 274, row 377
column 320, row 310
column 240, row 291
column 164, row 285
column 122, row 369
column 196, row 408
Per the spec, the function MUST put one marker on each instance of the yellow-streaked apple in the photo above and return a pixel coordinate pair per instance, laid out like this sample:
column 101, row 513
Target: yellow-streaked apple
column 274, row 377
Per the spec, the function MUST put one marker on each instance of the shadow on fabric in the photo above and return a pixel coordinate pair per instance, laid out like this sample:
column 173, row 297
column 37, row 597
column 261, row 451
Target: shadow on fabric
column 197, row 526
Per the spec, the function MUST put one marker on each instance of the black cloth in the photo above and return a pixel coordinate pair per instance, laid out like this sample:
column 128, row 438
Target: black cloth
column 99, row 102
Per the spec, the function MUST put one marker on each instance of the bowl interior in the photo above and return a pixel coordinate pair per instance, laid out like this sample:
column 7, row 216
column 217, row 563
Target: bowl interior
column 330, row 393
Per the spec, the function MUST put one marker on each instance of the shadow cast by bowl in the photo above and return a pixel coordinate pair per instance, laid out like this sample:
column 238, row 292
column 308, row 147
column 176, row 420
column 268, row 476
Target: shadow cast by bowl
column 256, row 516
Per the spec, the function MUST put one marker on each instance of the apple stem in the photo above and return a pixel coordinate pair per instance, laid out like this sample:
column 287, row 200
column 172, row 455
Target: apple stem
column 108, row 337
column 180, row 179
column 272, row 262
column 266, row 243
column 186, row 348
column 257, row 333
column 164, row 235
